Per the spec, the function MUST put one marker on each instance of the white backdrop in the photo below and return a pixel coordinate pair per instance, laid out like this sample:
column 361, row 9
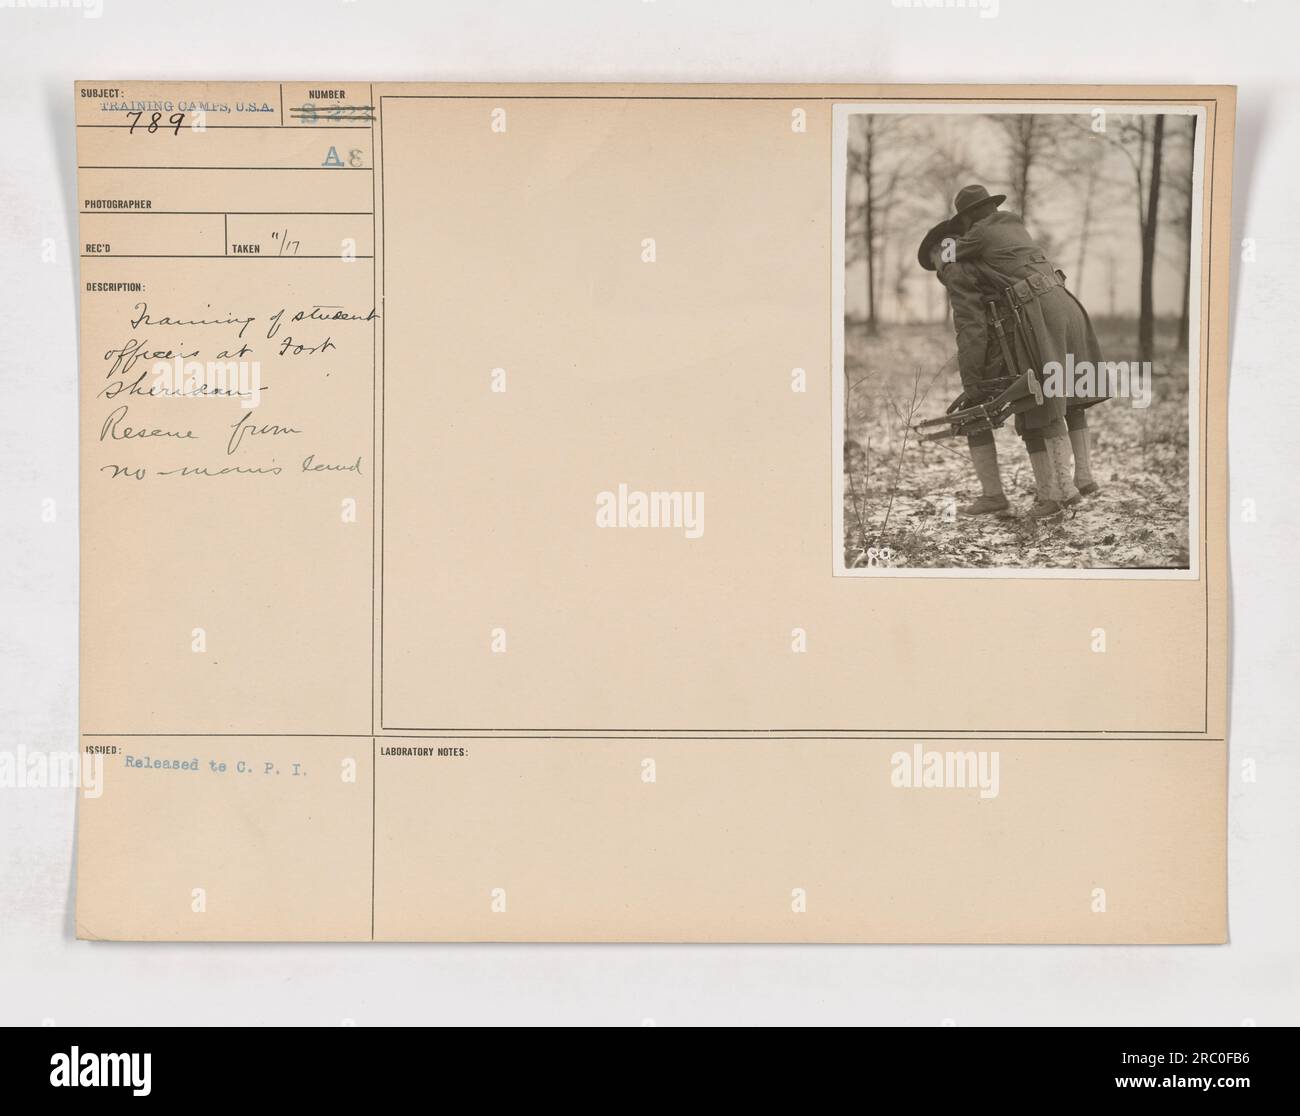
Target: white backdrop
column 46, row 975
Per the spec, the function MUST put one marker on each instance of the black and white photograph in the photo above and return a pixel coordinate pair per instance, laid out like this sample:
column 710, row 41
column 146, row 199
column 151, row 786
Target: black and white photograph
column 1017, row 340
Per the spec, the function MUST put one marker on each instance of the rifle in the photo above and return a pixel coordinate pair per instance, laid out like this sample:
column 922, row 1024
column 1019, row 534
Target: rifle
column 1018, row 394
column 1011, row 395
column 1025, row 328
column 1008, row 361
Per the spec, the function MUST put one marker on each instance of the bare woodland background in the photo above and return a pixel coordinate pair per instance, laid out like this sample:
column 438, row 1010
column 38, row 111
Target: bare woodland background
column 1112, row 207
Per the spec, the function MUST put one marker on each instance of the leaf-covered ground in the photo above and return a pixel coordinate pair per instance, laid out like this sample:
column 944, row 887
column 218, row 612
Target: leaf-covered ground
column 900, row 494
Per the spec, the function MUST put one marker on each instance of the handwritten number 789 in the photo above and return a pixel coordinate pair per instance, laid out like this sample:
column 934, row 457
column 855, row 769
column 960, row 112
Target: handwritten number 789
column 156, row 122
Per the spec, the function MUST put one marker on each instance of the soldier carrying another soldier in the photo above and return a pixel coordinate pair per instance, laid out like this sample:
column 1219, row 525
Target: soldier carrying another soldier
column 1012, row 314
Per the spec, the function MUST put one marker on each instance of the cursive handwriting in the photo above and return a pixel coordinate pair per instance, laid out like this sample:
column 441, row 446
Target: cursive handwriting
column 143, row 317
column 310, row 465
column 135, row 349
column 244, row 426
column 116, row 429
column 227, row 470
column 124, row 471
column 159, row 391
column 318, row 313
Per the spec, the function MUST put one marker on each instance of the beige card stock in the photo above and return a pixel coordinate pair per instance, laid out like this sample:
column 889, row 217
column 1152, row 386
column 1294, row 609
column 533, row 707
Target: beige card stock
column 472, row 549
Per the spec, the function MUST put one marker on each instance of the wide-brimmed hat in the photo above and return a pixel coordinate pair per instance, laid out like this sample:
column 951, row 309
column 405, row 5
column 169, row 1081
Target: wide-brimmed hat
column 974, row 197
column 944, row 229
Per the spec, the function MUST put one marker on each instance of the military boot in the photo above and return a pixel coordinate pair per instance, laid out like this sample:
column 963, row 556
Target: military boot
column 985, row 505
column 1058, row 452
column 1081, row 447
column 1046, row 501
column 984, row 455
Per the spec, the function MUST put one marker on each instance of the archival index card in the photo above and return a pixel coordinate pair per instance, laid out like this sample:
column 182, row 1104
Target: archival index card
column 675, row 513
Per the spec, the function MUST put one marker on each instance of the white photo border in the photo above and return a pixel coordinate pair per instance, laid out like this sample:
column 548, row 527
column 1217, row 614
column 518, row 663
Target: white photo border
column 841, row 114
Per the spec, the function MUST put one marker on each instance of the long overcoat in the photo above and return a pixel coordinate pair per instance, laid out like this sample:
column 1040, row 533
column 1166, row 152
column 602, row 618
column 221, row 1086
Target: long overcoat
column 997, row 255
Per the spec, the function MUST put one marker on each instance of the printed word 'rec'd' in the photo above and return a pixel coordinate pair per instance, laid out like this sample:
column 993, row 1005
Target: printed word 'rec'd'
column 629, row 507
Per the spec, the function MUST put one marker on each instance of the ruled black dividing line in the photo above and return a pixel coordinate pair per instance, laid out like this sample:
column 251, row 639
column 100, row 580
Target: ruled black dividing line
column 199, row 256
column 374, row 480
column 226, row 212
column 321, row 125
column 177, row 167
column 737, row 736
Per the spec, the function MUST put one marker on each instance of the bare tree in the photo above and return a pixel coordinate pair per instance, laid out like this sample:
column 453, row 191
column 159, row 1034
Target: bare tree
column 1150, row 223
column 1080, row 168
column 1179, row 184
column 903, row 269
column 881, row 167
column 1140, row 139
column 946, row 171
column 1030, row 139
